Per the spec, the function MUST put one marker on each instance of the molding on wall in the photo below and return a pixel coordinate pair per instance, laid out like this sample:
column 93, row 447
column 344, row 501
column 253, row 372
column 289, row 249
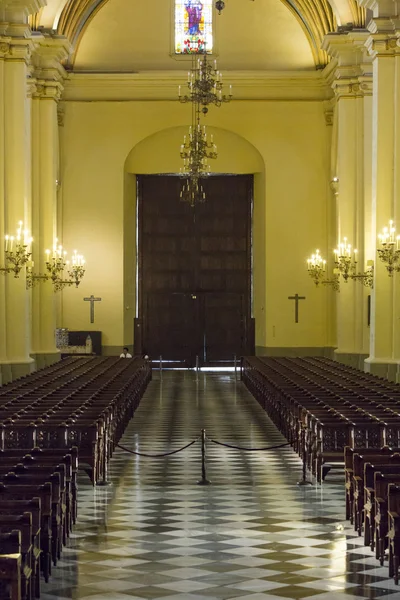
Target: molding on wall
column 163, row 86
column 387, row 369
column 294, row 352
column 351, row 359
column 21, row 369
column 5, row 374
column 45, row 359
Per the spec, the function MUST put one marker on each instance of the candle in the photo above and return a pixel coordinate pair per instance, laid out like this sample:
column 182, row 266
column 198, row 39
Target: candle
column 6, row 242
column 179, row 91
column 230, row 90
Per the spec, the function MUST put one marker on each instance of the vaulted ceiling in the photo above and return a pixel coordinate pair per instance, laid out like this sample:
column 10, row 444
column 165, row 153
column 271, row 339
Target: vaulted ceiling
column 121, row 36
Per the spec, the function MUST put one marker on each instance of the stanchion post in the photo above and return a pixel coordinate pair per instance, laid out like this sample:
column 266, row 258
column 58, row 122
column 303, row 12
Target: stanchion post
column 104, row 481
column 197, row 363
column 203, row 480
column 235, row 365
column 304, row 480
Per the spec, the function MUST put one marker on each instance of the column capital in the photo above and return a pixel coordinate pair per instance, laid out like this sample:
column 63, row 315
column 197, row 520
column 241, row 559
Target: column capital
column 48, row 71
column 43, row 88
column 19, row 50
column 4, row 46
column 351, row 75
column 348, row 48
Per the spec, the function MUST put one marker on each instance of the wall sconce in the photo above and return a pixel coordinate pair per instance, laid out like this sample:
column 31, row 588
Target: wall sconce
column 17, row 251
column 389, row 252
column 316, row 267
column 56, row 265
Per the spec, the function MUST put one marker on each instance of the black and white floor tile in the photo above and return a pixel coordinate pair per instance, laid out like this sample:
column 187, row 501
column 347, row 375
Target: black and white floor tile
column 253, row 534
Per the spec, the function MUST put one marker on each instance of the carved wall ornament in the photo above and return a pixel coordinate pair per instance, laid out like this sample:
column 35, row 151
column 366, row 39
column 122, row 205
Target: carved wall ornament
column 60, row 116
column 328, row 114
column 4, row 48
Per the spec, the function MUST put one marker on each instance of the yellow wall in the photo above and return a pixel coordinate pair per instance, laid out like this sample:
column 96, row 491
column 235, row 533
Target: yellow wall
column 284, row 143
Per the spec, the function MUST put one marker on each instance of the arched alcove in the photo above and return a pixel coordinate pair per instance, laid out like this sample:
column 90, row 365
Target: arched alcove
column 157, row 154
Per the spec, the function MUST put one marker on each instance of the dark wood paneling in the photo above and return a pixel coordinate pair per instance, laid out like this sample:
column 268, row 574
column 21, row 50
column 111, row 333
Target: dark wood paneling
column 195, row 269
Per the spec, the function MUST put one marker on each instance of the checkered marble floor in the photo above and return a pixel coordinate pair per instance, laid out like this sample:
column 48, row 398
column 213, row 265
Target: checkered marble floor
column 253, row 534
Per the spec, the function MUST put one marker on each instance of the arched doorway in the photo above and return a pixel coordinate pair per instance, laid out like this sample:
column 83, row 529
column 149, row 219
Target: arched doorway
column 194, row 265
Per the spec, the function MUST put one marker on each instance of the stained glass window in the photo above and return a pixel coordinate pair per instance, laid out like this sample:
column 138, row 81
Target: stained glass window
column 193, row 26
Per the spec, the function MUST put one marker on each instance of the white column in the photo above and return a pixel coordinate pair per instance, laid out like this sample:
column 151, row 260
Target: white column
column 349, row 52
column 17, row 194
column 49, row 76
column 382, row 44
column 4, row 47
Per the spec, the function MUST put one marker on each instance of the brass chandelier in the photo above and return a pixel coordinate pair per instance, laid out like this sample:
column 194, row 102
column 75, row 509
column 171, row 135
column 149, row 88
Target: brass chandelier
column 205, row 85
column 196, row 151
column 205, row 88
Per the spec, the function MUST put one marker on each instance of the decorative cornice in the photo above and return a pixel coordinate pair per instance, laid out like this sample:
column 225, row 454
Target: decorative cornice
column 87, row 87
column 50, row 52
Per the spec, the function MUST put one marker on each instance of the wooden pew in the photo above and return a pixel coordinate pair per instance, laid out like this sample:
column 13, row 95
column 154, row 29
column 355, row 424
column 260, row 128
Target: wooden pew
column 10, row 566
column 27, row 492
column 18, row 507
column 394, row 531
column 23, row 524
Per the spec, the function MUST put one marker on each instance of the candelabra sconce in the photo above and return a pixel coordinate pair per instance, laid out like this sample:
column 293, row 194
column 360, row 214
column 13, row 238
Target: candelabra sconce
column 389, row 252
column 205, row 85
column 316, row 267
column 346, row 260
column 17, row 252
column 56, row 266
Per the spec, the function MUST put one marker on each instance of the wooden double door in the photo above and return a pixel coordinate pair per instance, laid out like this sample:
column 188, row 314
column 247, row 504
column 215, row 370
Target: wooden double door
column 195, row 271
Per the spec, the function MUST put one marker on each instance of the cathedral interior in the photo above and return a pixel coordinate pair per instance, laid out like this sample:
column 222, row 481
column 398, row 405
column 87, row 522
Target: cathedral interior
column 212, row 186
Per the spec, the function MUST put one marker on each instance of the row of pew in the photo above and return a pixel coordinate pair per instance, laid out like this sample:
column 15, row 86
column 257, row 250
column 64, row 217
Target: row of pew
column 52, row 422
column 331, row 414
column 373, row 501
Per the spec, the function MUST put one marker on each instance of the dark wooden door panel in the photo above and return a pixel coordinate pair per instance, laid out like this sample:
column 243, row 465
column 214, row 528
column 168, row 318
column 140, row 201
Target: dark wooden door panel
column 195, row 269
column 223, row 326
column 171, row 326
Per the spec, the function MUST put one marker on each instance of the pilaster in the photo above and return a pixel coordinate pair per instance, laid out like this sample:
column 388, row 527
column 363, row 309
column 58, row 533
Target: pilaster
column 17, row 189
column 382, row 45
column 351, row 82
column 49, row 75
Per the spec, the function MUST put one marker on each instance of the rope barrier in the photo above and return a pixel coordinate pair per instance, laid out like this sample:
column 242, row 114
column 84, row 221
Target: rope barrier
column 156, row 455
column 248, row 449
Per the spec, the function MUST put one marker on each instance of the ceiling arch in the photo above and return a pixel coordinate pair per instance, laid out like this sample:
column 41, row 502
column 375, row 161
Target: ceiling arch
column 71, row 18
